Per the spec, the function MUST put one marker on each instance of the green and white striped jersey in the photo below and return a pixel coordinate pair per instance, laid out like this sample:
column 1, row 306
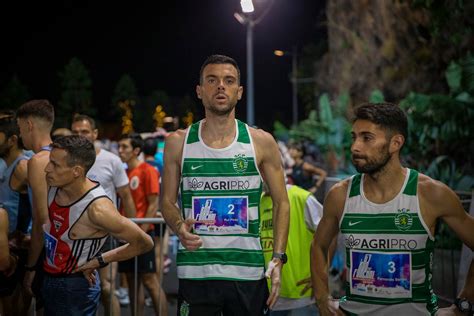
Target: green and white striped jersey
column 221, row 188
column 389, row 253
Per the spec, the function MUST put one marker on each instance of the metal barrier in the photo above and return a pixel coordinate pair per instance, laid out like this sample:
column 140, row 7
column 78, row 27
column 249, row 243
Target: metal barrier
column 156, row 221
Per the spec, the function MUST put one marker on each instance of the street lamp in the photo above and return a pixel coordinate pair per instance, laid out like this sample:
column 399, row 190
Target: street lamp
column 294, row 79
column 246, row 18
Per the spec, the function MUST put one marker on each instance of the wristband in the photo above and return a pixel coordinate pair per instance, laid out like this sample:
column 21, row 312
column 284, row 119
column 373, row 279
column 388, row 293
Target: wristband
column 102, row 263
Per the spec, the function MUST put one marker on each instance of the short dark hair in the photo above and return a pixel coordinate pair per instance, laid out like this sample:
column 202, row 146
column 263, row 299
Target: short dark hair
column 219, row 59
column 298, row 146
column 135, row 140
column 8, row 125
column 150, row 146
column 83, row 117
column 41, row 109
column 387, row 115
column 80, row 151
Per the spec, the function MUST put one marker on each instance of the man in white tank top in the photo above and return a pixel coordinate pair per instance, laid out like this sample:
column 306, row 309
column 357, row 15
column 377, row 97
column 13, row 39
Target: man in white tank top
column 81, row 216
column 109, row 172
column 219, row 163
column 387, row 215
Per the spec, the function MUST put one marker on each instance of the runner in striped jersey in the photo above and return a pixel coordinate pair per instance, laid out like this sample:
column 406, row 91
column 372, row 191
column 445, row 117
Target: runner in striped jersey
column 218, row 165
column 387, row 215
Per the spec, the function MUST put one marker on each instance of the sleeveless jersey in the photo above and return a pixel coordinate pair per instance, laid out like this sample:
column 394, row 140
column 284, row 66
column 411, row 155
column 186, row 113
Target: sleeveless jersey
column 64, row 254
column 221, row 188
column 299, row 242
column 389, row 253
column 9, row 198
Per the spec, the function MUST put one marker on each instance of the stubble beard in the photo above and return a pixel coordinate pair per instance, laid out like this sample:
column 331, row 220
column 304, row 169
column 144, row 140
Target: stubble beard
column 376, row 165
column 221, row 111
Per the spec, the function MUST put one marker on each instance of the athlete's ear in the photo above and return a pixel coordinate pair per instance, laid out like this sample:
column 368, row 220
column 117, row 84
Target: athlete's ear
column 396, row 142
column 240, row 92
column 198, row 91
column 29, row 123
column 77, row 171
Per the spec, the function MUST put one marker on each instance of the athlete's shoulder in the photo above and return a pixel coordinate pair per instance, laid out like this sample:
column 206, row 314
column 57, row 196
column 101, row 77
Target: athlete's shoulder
column 39, row 159
column 340, row 188
column 261, row 137
column 176, row 138
column 435, row 191
column 99, row 208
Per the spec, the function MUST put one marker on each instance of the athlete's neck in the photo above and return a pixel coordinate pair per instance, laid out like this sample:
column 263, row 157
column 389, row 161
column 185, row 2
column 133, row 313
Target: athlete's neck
column 73, row 191
column 384, row 185
column 218, row 132
column 41, row 141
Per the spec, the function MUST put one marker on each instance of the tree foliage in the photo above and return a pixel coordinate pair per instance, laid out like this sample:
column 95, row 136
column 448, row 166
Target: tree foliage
column 76, row 95
column 13, row 94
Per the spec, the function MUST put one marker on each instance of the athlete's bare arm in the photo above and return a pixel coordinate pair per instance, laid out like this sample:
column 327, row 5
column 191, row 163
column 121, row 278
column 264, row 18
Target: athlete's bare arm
column 438, row 201
column 270, row 165
column 127, row 201
column 7, row 260
column 326, row 232
column 103, row 216
column 169, row 196
column 39, row 188
column 19, row 179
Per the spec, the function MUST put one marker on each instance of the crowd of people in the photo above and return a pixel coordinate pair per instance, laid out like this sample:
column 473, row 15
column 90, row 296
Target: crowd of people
column 254, row 240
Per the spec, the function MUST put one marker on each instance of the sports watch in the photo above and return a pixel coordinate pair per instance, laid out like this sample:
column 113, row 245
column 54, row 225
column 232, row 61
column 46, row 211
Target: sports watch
column 280, row 255
column 102, row 263
column 464, row 305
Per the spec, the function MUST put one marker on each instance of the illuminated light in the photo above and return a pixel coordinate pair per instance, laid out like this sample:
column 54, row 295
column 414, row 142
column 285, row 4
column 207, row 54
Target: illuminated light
column 247, row 6
column 278, row 52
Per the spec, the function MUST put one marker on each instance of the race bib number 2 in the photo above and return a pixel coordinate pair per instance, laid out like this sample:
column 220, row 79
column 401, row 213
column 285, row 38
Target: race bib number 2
column 381, row 274
column 220, row 215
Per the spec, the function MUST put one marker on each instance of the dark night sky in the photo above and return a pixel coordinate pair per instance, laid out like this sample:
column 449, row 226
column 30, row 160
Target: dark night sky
column 161, row 44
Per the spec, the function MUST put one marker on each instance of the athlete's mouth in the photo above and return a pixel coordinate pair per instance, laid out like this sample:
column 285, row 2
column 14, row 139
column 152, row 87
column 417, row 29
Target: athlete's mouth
column 221, row 97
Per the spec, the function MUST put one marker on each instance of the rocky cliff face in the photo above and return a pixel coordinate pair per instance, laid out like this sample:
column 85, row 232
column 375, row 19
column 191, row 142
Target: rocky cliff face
column 386, row 45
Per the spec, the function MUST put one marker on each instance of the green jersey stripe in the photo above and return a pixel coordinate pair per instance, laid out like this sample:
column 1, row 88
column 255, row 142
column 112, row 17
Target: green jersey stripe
column 355, row 186
column 225, row 258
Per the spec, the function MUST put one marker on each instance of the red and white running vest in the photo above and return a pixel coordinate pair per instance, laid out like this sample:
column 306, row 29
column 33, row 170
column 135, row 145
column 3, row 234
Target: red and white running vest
column 64, row 254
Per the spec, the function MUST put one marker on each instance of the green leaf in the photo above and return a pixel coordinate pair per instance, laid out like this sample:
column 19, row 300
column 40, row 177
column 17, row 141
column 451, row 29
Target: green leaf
column 453, row 76
column 325, row 112
column 376, row 96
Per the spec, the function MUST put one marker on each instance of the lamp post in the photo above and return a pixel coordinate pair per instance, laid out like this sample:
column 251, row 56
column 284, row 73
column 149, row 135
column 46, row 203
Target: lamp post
column 246, row 19
column 294, row 79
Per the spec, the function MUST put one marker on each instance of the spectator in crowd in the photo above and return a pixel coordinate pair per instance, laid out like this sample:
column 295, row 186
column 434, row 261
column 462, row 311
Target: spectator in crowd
column 144, row 186
column 303, row 173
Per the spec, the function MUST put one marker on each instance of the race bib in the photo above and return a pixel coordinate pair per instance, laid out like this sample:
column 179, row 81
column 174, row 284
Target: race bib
column 50, row 244
column 220, row 215
column 381, row 274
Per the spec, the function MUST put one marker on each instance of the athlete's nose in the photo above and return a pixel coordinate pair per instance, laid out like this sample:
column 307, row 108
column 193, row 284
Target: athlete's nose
column 355, row 146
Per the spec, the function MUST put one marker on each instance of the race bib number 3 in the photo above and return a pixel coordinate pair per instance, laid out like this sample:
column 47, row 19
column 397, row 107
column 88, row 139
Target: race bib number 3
column 50, row 244
column 220, row 215
column 381, row 274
